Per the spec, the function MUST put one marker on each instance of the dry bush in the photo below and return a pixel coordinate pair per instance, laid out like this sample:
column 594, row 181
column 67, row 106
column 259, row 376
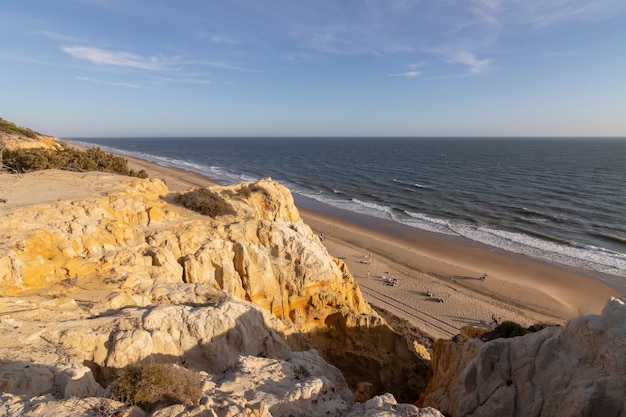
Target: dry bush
column 508, row 329
column 205, row 202
column 93, row 159
column 155, row 386
column 244, row 191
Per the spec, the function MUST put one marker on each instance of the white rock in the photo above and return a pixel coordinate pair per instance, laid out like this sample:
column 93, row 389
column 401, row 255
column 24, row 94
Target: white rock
column 575, row 370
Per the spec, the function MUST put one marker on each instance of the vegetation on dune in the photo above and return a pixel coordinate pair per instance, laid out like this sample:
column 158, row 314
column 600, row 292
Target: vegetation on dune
column 155, row 386
column 93, row 159
column 205, row 202
column 13, row 128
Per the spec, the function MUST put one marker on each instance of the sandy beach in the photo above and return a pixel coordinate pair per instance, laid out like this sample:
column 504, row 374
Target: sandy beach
column 517, row 288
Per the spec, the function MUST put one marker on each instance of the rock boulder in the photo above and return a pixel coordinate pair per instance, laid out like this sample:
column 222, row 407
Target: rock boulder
column 575, row 370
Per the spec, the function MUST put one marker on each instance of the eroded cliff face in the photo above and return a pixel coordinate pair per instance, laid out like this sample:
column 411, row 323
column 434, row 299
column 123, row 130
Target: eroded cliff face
column 116, row 274
column 22, row 138
column 575, row 370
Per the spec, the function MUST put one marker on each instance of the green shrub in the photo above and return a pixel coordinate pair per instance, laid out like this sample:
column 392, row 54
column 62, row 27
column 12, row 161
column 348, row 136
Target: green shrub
column 151, row 387
column 205, row 202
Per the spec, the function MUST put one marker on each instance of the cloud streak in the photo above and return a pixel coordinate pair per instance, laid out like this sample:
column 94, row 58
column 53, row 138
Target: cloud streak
column 408, row 74
column 115, row 58
column 475, row 65
column 548, row 12
column 115, row 84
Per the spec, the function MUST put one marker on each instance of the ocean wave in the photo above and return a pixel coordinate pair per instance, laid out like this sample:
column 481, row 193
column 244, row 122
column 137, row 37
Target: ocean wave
column 428, row 223
column 410, row 184
column 610, row 237
column 373, row 207
column 548, row 249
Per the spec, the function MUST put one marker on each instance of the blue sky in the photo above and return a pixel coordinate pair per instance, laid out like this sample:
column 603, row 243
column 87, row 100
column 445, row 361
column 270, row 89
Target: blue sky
column 76, row 68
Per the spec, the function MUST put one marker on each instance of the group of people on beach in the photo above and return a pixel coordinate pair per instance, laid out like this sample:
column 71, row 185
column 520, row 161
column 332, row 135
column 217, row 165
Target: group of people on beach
column 392, row 282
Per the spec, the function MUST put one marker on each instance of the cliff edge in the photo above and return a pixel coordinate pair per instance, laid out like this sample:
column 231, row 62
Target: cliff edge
column 99, row 271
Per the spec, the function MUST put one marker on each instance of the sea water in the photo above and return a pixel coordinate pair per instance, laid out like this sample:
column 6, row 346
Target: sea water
column 560, row 200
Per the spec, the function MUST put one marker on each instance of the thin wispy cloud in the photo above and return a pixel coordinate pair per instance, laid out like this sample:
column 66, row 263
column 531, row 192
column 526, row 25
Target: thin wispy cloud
column 330, row 43
column 56, row 36
column 561, row 54
column 474, row 64
column 111, row 83
column 125, row 59
column 115, row 58
column 408, row 74
column 221, row 40
column 467, row 32
column 412, row 73
column 222, row 65
column 183, row 80
column 546, row 12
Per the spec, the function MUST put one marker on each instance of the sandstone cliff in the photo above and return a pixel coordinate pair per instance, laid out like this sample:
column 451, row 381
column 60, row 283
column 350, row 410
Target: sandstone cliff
column 16, row 137
column 575, row 370
column 99, row 271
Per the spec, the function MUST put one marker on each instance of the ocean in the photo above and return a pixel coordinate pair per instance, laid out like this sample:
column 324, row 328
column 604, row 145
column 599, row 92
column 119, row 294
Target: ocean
column 559, row 200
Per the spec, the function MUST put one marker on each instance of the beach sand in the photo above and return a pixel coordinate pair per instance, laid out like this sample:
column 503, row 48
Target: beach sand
column 517, row 288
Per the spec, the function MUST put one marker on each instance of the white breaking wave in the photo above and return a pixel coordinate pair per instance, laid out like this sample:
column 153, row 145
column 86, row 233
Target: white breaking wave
column 586, row 257
column 374, row 207
column 411, row 184
column 429, row 223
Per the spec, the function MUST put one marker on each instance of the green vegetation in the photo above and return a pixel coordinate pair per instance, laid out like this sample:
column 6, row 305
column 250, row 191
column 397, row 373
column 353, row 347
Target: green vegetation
column 205, row 202
column 93, row 159
column 151, row 387
column 12, row 127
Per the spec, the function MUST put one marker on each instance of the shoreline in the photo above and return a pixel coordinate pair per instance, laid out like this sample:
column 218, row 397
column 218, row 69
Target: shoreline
column 517, row 288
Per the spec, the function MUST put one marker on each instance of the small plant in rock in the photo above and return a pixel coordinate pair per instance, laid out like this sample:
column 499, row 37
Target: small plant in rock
column 244, row 191
column 205, row 202
column 247, row 189
column 155, row 386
